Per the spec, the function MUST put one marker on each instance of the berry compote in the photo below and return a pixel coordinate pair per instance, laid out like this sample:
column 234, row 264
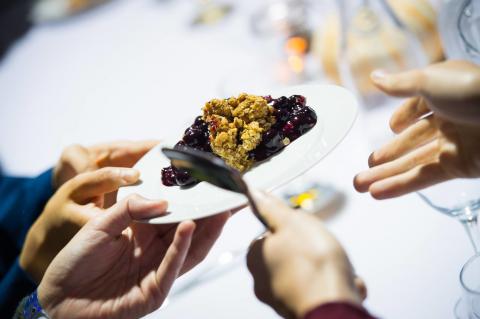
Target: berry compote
column 293, row 119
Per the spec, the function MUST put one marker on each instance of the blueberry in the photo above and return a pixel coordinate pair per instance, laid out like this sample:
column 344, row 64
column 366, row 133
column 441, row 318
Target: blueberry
column 195, row 137
column 198, row 121
column 280, row 102
column 168, row 176
column 272, row 139
column 281, row 115
column 297, row 100
column 288, row 127
column 272, row 142
column 296, row 120
column 291, row 131
column 200, row 124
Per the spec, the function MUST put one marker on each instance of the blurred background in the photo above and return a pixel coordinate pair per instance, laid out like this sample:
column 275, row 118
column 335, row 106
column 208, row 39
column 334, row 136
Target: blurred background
column 86, row 71
column 64, row 55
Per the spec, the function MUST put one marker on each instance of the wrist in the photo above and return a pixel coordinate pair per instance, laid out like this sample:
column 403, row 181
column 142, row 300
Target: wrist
column 30, row 257
column 331, row 286
column 44, row 300
column 31, row 308
column 309, row 303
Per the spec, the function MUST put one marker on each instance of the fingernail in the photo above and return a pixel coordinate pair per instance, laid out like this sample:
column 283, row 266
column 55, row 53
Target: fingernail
column 130, row 175
column 378, row 75
column 371, row 160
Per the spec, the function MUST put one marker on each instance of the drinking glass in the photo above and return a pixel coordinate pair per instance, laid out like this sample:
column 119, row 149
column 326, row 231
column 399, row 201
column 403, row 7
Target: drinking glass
column 288, row 23
column 468, row 307
column 460, row 199
column 280, row 18
column 373, row 37
column 459, row 24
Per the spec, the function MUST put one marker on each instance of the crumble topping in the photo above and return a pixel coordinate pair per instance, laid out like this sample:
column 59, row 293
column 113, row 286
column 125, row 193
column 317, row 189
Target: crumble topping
column 236, row 126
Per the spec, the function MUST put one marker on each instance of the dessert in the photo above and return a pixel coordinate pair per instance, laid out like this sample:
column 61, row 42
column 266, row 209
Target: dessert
column 243, row 130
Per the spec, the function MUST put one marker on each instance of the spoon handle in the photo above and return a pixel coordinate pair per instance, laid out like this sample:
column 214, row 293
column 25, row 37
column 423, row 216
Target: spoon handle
column 254, row 209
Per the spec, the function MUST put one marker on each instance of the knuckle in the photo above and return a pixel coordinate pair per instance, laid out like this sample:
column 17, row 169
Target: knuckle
column 71, row 149
column 76, row 181
column 419, row 77
column 132, row 197
column 107, row 173
column 391, row 83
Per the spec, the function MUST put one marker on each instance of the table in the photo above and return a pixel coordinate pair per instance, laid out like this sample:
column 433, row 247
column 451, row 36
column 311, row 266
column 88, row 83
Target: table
column 136, row 69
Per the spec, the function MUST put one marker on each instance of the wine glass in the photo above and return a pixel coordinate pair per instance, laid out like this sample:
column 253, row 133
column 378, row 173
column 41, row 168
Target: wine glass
column 468, row 306
column 459, row 24
column 460, row 199
column 280, row 17
column 373, row 37
column 288, row 24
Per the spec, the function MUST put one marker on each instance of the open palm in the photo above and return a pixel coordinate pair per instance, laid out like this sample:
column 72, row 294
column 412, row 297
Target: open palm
column 116, row 268
column 425, row 152
column 438, row 131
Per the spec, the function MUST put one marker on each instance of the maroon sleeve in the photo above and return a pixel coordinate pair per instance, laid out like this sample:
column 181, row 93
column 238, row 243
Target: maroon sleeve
column 338, row 310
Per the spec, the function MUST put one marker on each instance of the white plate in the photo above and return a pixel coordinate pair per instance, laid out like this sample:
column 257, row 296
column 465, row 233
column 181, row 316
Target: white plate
column 336, row 110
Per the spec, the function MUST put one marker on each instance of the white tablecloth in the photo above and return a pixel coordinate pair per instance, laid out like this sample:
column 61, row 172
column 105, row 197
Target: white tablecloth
column 136, row 69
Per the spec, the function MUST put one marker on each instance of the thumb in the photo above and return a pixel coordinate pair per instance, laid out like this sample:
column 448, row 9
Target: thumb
column 275, row 212
column 118, row 217
column 97, row 183
column 401, row 84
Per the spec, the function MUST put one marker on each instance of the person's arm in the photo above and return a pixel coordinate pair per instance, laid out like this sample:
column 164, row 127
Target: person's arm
column 338, row 310
column 30, row 308
column 22, row 200
column 14, row 22
column 13, row 287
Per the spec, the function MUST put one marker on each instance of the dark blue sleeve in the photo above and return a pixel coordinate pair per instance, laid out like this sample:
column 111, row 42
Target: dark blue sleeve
column 15, row 285
column 21, row 201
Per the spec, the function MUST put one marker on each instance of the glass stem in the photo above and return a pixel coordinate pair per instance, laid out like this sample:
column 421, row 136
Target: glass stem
column 473, row 232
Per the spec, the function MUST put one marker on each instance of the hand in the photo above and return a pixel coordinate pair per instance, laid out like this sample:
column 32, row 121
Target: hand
column 66, row 212
column 451, row 89
column 116, row 268
column 76, row 159
column 300, row 265
column 430, row 147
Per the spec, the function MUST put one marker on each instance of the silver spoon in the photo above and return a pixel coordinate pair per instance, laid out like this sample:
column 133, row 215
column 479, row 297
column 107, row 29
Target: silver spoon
column 211, row 169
